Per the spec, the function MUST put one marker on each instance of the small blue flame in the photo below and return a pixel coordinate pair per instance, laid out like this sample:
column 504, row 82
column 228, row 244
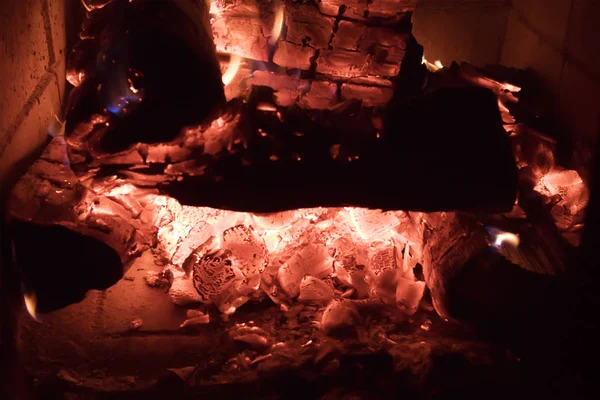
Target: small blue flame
column 117, row 109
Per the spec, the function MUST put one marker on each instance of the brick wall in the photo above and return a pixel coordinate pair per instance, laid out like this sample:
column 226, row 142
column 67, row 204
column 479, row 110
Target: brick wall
column 32, row 84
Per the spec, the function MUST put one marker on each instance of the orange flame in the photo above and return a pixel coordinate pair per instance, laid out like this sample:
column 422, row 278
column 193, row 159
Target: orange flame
column 84, row 4
column 30, row 304
column 232, row 69
column 277, row 25
column 433, row 67
column 506, row 237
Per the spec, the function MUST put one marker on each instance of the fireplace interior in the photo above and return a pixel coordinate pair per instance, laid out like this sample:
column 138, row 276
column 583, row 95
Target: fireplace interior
column 292, row 199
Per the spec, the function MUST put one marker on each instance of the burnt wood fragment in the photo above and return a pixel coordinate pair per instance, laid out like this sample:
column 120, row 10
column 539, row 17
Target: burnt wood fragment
column 450, row 241
column 155, row 71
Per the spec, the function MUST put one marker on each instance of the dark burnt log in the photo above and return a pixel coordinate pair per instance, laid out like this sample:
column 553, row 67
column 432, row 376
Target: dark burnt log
column 455, row 241
column 148, row 67
column 443, row 151
column 450, row 241
column 532, row 313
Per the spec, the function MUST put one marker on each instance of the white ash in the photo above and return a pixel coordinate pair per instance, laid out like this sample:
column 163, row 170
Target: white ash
column 182, row 291
column 315, row 291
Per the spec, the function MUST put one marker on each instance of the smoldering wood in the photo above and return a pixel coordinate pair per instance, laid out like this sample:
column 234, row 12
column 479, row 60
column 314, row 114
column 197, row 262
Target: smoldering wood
column 516, row 306
column 428, row 157
column 418, row 162
column 153, row 61
column 450, row 241
column 471, row 277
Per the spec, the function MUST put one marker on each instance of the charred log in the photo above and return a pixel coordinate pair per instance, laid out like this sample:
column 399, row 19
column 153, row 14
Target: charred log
column 473, row 272
column 131, row 69
column 510, row 304
column 450, row 241
column 450, row 159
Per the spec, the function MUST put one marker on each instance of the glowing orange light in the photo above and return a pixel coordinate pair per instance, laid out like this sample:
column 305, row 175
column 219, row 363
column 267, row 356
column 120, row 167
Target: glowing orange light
column 84, row 4
column 556, row 181
column 272, row 240
column 277, row 25
column 213, row 7
column 232, row 69
column 433, row 67
column 121, row 190
column 506, row 237
column 267, row 107
column 30, row 304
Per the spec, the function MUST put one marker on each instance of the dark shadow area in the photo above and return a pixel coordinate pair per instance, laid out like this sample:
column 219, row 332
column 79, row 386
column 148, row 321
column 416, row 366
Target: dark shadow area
column 60, row 265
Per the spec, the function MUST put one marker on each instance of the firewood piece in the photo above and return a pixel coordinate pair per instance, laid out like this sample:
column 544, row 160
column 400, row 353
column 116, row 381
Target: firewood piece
column 234, row 7
column 371, row 80
column 139, row 56
column 244, row 36
column 383, row 68
column 348, row 35
column 386, row 46
column 391, row 8
column 450, row 241
column 291, row 55
column 82, row 61
column 278, row 169
column 306, row 26
column 354, row 9
column 510, row 302
column 385, row 37
column 342, row 63
column 322, row 94
column 287, row 88
column 370, row 95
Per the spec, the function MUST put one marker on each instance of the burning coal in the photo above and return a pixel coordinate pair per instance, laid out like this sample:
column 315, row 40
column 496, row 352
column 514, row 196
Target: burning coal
column 310, row 256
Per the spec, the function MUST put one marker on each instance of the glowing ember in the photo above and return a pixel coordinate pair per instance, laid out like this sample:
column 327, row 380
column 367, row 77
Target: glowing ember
column 510, row 87
column 267, row 107
column 232, row 69
column 277, row 25
column 126, row 188
column 30, row 304
column 558, row 182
